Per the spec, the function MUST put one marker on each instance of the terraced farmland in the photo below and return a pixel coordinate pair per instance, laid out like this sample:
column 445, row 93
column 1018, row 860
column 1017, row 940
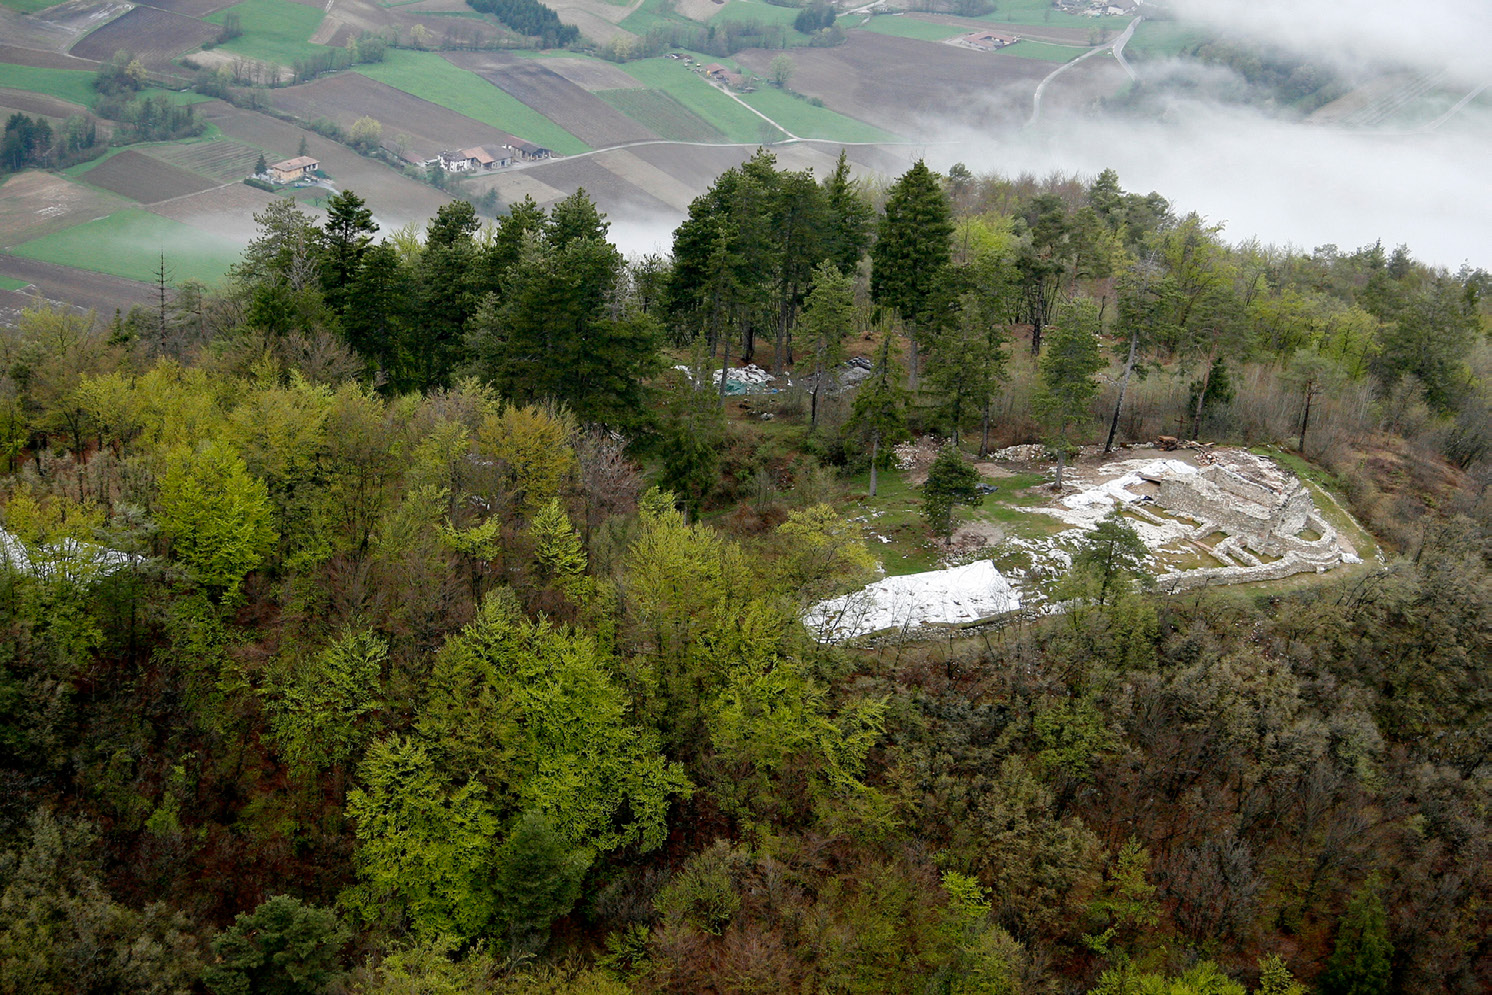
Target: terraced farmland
column 222, row 160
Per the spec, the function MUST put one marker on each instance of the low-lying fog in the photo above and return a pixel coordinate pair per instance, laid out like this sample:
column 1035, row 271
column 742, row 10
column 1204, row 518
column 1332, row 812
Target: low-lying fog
column 1285, row 182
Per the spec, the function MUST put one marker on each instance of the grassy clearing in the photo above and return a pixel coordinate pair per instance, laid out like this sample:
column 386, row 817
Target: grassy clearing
column 901, row 26
column 429, row 77
column 1041, row 12
column 10, row 283
column 73, row 85
column 651, row 14
column 895, row 513
column 663, row 114
column 807, row 121
column 1162, row 40
column 691, row 89
column 762, row 13
column 128, row 244
column 1043, row 51
column 273, row 30
column 29, row 6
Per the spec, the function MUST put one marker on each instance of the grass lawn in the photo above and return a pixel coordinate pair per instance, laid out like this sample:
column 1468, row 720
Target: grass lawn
column 128, row 244
column 10, row 283
column 73, row 85
column 910, row 27
column 1162, row 40
column 1043, row 51
column 807, row 121
column 1041, row 12
column 273, row 30
column 690, row 89
column 429, row 77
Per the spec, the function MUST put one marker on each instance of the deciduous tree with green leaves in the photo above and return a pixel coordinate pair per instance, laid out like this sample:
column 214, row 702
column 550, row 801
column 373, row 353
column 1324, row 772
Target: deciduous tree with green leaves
column 216, row 515
column 1065, row 377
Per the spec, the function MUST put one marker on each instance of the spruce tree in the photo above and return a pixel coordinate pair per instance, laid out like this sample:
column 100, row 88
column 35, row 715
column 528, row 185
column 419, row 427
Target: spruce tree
column 1361, row 963
column 913, row 251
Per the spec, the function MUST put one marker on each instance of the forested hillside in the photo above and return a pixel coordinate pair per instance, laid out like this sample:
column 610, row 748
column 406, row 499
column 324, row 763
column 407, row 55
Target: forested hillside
column 414, row 613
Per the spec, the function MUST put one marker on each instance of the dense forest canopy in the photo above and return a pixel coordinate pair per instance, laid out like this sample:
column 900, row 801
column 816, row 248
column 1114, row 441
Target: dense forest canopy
column 413, row 614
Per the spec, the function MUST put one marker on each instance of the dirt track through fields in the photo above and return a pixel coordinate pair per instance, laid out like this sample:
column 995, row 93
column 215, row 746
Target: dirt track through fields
column 64, row 284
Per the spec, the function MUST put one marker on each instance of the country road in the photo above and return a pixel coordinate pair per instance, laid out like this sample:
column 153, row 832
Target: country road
column 1117, row 45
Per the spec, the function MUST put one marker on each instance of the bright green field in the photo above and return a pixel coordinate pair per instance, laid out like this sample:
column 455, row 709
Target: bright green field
column 902, row 26
column 128, row 243
column 1162, row 39
column 752, row 10
column 273, row 30
column 807, row 121
column 690, row 89
column 1043, row 51
column 29, row 6
column 7, row 283
column 1041, row 12
column 67, row 84
column 429, row 77
column 651, row 14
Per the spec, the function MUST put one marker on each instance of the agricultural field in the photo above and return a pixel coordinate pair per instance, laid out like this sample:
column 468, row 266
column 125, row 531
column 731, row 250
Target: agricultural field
column 1040, row 12
column 1161, row 40
column 133, row 174
column 80, row 288
column 34, row 204
column 73, row 85
column 1043, row 51
column 192, row 8
column 807, row 121
column 571, row 107
column 691, row 89
column 35, row 104
column 227, row 212
column 592, row 74
column 893, row 84
column 756, row 10
column 223, row 160
column 430, row 77
column 1085, row 83
column 394, row 198
column 277, row 31
column 29, row 7
column 345, row 97
column 662, row 114
column 908, row 26
column 44, row 59
column 129, row 244
column 153, row 36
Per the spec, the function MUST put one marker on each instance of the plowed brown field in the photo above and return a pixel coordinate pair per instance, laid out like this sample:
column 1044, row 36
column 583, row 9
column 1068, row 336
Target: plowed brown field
column 154, row 36
column 137, row 176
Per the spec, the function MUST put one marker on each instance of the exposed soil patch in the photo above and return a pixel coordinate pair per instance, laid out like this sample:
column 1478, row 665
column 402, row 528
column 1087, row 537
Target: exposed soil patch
column 191, row 8
column 37, row 103
column 137, row 176
column 591, row 75
column 16, row 55
column 63, row 284
column 903, row 85
column 33, row 204
column 154, row 36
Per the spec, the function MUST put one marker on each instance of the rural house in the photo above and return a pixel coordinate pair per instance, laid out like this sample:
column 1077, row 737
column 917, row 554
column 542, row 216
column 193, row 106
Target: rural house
column 985, row 41
column 529, row 152
column 476, row 159
column 291, row 170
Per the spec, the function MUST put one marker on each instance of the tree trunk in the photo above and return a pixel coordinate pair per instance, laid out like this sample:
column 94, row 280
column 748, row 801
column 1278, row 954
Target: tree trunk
column 984, row 433
column 875, row 445
column 1129, row 366
column 1061, row 465
column 1305, row 420
column 724, row 365
column 1202, row 393
column 912, row 359
column 813, row 409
